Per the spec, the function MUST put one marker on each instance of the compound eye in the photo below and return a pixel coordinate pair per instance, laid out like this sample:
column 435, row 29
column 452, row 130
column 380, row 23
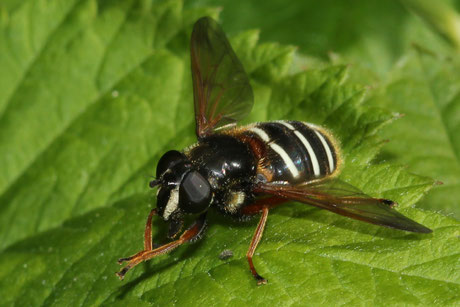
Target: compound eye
column 194, row 193
column 168, row 160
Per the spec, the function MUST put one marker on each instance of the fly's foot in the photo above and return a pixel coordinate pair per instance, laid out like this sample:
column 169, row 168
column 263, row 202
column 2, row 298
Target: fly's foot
column 260, row 280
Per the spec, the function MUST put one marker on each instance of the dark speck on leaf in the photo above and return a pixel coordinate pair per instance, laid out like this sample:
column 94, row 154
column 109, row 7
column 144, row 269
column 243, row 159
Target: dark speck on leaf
column 226, row 254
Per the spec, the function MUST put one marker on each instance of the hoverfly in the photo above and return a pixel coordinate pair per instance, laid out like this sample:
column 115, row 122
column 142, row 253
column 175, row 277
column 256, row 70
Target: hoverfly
column 245, row 171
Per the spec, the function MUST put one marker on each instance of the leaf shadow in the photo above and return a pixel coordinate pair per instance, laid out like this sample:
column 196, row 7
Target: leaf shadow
column 183, row 252
column 151, row 269
column 328, row 218
column 385, row 156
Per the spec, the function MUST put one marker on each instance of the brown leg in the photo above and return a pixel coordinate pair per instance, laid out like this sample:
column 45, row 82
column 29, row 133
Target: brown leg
column 147, row 237
column 148, row 231
column 193, row 232
column 260, row 204
column 255, row 240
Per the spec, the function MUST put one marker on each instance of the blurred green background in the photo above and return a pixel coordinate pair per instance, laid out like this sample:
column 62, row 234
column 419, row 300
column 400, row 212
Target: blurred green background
column 373, row 34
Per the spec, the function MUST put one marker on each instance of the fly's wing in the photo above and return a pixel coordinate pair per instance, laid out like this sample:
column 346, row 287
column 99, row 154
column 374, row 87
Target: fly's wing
column 221, row 88
column 344, row 199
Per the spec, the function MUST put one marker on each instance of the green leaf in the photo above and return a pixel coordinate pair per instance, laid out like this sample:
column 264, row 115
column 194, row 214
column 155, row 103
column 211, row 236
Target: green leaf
column 89, row 101
column 425, row 88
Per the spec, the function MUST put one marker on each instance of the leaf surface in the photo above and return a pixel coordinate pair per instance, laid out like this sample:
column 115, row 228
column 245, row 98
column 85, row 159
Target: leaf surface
column 425, row 88
column 101, row 91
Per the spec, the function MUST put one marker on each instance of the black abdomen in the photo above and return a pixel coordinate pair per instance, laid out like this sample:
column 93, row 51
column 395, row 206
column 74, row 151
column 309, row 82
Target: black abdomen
column 294, row 152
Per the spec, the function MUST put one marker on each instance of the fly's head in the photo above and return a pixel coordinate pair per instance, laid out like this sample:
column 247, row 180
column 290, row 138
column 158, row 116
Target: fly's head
column 181, row 189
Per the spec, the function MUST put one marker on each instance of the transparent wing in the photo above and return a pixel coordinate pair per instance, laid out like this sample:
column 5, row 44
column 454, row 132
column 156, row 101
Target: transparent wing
column 221, row 88
column 344, row 199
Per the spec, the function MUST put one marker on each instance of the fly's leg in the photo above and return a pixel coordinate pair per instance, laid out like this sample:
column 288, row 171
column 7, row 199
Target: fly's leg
column 147, row 237
column 255, row 240
column 148, row 231
column 261, row 205
column 190, row 234
column 258, row 206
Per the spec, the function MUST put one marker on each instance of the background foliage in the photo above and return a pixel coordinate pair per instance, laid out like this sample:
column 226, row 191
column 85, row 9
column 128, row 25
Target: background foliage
column 93, row 92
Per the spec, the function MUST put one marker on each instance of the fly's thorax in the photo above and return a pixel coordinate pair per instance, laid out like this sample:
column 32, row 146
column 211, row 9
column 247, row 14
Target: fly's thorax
column 230, row 167
column 226, row 161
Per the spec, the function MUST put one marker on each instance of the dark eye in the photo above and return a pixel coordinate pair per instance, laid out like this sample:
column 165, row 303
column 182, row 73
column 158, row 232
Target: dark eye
column 194, row 193
column 168, row 160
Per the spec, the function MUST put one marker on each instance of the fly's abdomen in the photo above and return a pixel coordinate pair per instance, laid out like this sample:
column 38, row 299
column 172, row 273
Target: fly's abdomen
column 293, row 151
